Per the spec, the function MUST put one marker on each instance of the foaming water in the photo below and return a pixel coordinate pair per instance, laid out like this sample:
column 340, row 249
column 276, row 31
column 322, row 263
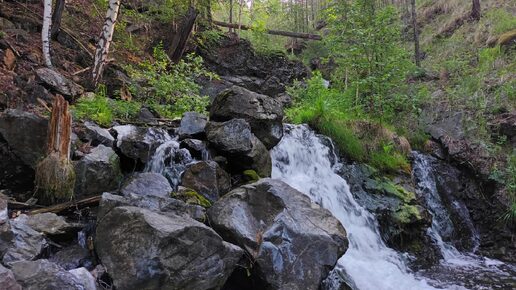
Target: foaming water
column 170, row 161
column 303, row 160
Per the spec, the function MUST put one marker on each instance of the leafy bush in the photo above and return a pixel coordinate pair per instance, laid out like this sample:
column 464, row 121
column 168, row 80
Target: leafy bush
column 170, row 88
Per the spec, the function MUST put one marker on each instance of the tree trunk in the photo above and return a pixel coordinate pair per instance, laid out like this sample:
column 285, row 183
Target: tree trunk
column 417, row 53
column 230, row 13
column 55, row 174
column 273, row 32
column 56, row 17
column 45, row 32
column 475, row 11
column 240, row 4
column 104, row 42
column 176, row 44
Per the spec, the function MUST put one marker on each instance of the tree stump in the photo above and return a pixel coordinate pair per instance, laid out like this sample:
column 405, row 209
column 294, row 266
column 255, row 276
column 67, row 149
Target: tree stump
column 55, row 175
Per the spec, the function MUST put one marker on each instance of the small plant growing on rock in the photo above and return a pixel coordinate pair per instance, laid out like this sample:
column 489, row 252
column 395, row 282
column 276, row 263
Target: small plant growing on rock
column 55, row 175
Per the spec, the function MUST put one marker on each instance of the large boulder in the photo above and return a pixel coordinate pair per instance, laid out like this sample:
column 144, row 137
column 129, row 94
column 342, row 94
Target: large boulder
column 139, row 143
column 145, row 250
column 208, row 179
column 269, row 220
column 42, row 274
column 97, row 172
column 263, row 113
column 25, row 133
column 7, row 280
column 147, row 183
column 46, row 223
column 58, row 82
column 93, row 134
column 6, row 234
column 27, row 245
column 192, row 125
column 234, row 140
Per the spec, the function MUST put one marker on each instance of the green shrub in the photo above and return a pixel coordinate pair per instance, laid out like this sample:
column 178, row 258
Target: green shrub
column 96, row 109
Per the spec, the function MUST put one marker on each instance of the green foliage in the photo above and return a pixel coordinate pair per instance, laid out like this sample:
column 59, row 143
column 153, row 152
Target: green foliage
column 170, row 89
column 507, row 177
column 96, row 109
column 364, row 41
column 191, row 196
column 407, row 213
column 501, row 19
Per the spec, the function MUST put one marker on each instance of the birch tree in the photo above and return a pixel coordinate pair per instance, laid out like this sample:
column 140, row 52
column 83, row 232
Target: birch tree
column 104, row 42
column 45, row 32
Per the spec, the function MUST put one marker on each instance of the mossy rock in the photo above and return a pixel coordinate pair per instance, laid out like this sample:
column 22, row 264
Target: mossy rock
column 191, row 196
column 251, row 176
column 406, row 214
column 387, row 187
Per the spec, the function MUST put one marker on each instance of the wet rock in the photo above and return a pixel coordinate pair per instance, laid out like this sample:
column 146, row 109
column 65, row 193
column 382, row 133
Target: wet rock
column 97, row 172
column 29, row 146
column 46, row 223
column 138, row 143
column 192, row 125
column 58, row 82
column 234, row 140
column 85, row 278
column 72, row 257
column 269, row 220
column 198, row 149
column 91, row 133
column 208, row 179
column 7, row 280
column 170, row 252
column 28, row 243
column 147, row 184
column 263, row 113
column 42, row 274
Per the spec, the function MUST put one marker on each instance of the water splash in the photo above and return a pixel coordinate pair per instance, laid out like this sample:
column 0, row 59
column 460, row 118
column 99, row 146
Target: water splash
column 303, row 160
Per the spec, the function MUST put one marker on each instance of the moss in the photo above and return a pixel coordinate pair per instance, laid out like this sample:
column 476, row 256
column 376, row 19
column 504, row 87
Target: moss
column 191, row 196
column 251, row 175
column 387, row 187
column 407, row 214
column 55, row 179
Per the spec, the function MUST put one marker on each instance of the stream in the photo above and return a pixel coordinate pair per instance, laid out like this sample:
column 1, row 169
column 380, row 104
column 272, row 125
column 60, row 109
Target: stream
column 308, row 162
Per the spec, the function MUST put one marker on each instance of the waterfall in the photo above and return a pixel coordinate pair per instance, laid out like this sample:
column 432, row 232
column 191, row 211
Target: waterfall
column 303, row 160
column 170, row 161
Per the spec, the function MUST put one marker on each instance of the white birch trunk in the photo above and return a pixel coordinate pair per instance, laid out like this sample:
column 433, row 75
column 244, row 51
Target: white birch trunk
column 104, row 42
column 45, row 32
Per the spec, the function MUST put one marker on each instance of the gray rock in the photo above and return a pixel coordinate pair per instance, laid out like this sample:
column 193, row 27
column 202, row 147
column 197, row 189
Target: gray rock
column 147, row 183
column 97, row 172
column 44, row 275
column 6, row 234
column 163, row 205
column 192, row 125
column 139, row 143
column 7, row 280
column 295, row 243
column 145, row 250
column 234, row 140
column 91, row 132
column 72, row 257
column 46, row 223
column 198, row 149
column 208, row 179
column 25, row 133
column 28, row 243
column 58, row 82
column 263, row 113
column 85, row 278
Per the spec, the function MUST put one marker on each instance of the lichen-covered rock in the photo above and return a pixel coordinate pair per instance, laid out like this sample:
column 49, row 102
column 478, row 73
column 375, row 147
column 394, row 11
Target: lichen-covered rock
column 42, row 274
column 234, row 140
column 207, row 178
column 97, row 172
column 146, row 250
column 269, row 220
column 263, row 113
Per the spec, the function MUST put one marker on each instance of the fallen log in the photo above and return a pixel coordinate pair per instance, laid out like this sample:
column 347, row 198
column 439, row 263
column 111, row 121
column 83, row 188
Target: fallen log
column 70, row 205
column 269, row 31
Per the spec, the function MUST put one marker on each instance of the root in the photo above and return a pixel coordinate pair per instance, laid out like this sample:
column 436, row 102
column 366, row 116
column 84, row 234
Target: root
column 55, row 179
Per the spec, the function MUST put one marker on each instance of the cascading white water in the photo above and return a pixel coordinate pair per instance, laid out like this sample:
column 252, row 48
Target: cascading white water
column 170, row 161
column 302, row 160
